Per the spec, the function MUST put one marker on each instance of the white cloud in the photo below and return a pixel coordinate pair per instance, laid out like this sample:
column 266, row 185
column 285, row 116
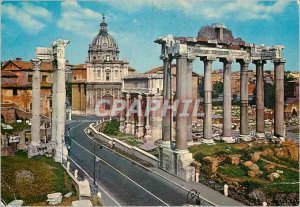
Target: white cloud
column 78, row 20
column 238, row 9
column 28, row 16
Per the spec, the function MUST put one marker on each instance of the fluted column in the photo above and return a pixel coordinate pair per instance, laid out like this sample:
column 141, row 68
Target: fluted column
column 60, row 93
column 36, row 103
column 181, row 121
column 279, row 98
column 140, row 124
column 260, row 108
column 166, row 120
column 227, row 132
column 127, row 121
column 244, row 120
column 207, row 121
column 122, row 118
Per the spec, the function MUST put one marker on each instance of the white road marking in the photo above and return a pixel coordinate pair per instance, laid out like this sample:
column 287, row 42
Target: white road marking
column 150, row 170
column 122, row 173
column 112, row 198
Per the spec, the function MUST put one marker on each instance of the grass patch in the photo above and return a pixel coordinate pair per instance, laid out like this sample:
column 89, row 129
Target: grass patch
column 232, row 170
column 32, row 179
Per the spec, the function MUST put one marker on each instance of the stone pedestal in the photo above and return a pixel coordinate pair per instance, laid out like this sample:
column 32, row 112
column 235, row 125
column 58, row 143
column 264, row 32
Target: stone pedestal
column 183, row 160
column 208, row 141
column 167, row 160
column 245, row 138
column 229, row 140
column 260, row 135
column 178, row 163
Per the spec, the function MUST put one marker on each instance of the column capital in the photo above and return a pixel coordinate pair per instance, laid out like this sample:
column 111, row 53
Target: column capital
column 243, row 61
column 208, row 59
column 36, row 63
column 259, row 62
column 279, row 60
column 140, row 97
column 226, row 60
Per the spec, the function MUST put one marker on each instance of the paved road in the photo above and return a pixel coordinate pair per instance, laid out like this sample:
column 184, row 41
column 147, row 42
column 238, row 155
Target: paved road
column 128, row 183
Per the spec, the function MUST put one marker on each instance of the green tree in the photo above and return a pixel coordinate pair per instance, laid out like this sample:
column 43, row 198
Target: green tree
column 111, row 128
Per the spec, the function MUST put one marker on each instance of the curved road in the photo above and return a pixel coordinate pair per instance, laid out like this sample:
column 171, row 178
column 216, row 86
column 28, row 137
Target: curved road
column 128, row 183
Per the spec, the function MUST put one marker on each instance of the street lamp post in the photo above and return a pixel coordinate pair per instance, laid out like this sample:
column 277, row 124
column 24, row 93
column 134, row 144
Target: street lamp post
column 94, row 164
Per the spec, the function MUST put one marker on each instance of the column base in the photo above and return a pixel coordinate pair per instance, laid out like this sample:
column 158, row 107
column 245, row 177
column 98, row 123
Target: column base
column 208, row 141
column 128, row 129
column 122, row 128
column 32, row 151
column 165, row 144
column 61, row 153
column 245, row 138
column 260, row 135
column 229, row 140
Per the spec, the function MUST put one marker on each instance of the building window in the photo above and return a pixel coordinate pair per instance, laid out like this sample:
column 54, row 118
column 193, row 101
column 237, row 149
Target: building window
column 107, row 76
column 99, row 73
column 15, row 92
column 116, row 73
column 44, row 78
column 29, row 78
column 50, row 103
column 30, row 106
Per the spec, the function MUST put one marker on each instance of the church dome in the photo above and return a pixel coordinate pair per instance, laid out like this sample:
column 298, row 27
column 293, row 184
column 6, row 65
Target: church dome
column 103, row 40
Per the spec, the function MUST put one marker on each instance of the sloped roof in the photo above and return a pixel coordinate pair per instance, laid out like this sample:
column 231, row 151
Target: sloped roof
column 26, row 65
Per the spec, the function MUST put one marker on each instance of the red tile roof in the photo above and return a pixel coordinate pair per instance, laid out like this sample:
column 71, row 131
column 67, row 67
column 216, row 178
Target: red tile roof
column 27, row 65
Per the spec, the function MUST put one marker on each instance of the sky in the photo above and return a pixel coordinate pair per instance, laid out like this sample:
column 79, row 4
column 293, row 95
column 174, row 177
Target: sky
column 135, row 24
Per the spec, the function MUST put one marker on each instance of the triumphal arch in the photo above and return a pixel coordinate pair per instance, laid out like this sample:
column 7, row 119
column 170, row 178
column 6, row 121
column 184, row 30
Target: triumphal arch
column 215, row 43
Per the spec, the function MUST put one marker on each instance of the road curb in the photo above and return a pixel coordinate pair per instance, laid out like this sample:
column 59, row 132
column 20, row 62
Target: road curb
column 148, row 169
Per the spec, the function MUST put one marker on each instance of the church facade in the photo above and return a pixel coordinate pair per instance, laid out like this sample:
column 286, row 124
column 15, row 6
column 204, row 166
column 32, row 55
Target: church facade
column 101, row 76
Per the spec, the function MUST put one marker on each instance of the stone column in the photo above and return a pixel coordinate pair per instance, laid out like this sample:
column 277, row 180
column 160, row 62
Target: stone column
column 189, row 95
column 36, row 103
column 227, row 133
column 59, row 68
column 127, row 121
column 244, row 120
column 166, row 120
column 181, row 92
column 140, row 124
column 207, row 122
column 260, row 108
column 279, row 101
column 122, row 118
column 148, row 127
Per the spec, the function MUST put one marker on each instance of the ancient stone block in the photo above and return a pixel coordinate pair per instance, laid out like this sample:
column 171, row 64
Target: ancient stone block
column 254, row 156
column 251, row 174
column 282, row 152
column 247, row 163
column 54, row 198
column 254, row 168
column 269, row 167
column 234, row 159
column 210, row 165
column 273, row 176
